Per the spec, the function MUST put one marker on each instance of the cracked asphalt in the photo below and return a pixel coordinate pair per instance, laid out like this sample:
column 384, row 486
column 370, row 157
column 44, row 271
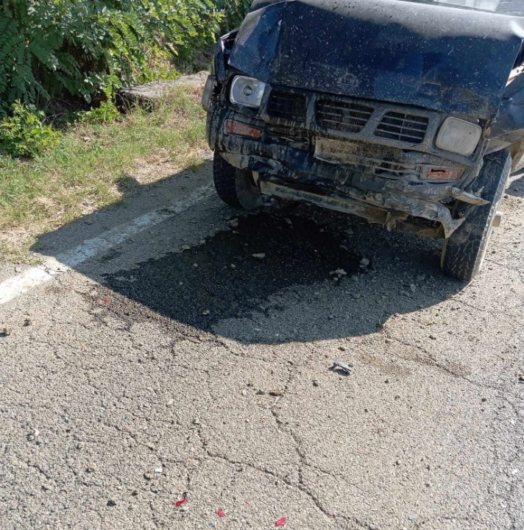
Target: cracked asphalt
column 179, row 366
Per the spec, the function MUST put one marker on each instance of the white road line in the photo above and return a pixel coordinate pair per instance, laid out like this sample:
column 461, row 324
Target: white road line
column 13, row 287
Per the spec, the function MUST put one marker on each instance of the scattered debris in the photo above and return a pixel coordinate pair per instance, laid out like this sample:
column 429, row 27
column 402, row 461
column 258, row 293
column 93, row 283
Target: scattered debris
column 5, row 332
column 281, row 522
column 259, row 256
column 180, row 502
column 521, row 378
column 206, row 312
column 27, row 322
column 275, row 392
column 18, row 270
column 221, row 513
column 339, row 273
column 233, row 223
column 315, row 382
column 33, row 436
column 364, row 262
column 158, row 470
column 413, row 287
column 185, row 247
column 111, row 503
column 339, row 366
column 412, row 516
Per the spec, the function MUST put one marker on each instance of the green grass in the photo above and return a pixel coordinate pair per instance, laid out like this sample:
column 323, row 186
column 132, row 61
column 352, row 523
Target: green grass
column 89, row 165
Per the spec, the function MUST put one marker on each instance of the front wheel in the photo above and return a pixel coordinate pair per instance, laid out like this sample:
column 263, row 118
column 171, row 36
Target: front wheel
column 236, row 187
column 464, row 252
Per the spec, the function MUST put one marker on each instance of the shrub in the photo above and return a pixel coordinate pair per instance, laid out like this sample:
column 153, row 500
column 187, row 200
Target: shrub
column 234, row 12
column 89, row 48
column 24, row 134
column 105, row 113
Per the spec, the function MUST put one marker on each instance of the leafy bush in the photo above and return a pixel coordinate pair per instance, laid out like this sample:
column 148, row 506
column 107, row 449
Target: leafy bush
column 24, row 134
column 234, row 12
column 105, row 113
column 90, row 48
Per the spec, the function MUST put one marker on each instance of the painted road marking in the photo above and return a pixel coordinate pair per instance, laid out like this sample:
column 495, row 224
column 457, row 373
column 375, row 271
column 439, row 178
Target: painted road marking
column 17, row 285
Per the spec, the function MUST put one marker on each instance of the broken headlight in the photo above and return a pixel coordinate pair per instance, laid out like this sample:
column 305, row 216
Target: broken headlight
column 247, row 91
column 459, row 136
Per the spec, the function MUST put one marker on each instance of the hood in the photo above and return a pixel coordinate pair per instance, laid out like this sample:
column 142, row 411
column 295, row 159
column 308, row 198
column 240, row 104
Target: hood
column 441, row 58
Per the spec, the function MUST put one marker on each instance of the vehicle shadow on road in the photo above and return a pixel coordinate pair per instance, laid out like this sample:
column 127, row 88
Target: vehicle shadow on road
column 280, row 275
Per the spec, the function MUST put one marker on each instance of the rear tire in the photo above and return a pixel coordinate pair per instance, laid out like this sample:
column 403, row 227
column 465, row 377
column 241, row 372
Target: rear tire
column 464, row 252
column 236, row 187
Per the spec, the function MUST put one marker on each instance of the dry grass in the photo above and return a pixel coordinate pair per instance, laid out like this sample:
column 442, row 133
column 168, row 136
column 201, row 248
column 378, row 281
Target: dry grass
column 82, row 175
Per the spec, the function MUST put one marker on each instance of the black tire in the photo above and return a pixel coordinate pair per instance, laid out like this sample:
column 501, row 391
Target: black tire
column 463, row 253
column 235, row 187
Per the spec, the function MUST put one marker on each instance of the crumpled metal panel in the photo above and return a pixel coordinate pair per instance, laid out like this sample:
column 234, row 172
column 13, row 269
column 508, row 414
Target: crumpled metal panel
column 387, row 50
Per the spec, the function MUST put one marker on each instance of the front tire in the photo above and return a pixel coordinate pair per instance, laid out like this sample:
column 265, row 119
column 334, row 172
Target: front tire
column 236, row 187
column 464, row 252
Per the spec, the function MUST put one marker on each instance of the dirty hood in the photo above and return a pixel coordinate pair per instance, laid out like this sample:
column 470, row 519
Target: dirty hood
column 441, row 58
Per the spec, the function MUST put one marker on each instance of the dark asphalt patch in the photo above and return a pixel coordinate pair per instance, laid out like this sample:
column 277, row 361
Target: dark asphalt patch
column 221, row 279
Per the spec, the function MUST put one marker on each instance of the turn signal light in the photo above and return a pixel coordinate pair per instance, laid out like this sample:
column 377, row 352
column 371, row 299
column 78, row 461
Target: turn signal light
column 445, row 173
column 235, row 127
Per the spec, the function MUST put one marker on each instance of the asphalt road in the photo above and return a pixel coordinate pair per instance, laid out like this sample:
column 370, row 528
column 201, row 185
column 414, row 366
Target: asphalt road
column 174, row 364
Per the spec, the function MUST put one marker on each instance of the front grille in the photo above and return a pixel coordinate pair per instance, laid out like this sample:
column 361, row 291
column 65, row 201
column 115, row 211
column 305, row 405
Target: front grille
column 287, row 106
column 403, row 127
column 342, row 115
column 291, row 136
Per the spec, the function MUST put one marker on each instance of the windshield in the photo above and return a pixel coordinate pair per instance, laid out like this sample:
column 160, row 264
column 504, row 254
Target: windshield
column 502, row 7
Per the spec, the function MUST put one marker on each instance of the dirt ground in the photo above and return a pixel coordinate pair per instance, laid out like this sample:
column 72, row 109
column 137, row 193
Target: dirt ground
column 187, row 354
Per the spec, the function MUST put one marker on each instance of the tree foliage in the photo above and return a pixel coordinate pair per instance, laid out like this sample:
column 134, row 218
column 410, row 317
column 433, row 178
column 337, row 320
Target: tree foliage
column 234, row 12
column 87, row 48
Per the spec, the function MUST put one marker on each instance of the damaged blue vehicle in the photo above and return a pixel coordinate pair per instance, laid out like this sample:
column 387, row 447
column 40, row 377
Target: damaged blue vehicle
column 409, row 113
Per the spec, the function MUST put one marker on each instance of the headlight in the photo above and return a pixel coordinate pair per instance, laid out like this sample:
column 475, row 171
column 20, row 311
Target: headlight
column 247, row 91
column 459, row 136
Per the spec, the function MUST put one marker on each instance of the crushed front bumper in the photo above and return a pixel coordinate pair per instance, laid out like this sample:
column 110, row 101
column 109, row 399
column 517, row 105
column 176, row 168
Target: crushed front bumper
column 393, row 193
